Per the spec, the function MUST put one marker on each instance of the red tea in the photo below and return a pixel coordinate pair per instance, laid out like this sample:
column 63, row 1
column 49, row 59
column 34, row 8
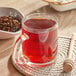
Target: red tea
column 40, row 47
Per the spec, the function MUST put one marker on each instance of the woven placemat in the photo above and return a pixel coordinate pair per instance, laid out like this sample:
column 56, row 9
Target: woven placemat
column 54, row 70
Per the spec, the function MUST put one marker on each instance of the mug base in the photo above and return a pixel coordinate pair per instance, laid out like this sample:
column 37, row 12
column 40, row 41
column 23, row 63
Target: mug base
column 17, row 54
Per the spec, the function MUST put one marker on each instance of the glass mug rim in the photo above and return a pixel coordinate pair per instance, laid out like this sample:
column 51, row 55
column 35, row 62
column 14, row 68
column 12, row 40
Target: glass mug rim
column 42, row 15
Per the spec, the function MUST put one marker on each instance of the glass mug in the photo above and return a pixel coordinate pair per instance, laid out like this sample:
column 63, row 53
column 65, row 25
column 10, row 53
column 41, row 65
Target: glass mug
column 39, row 39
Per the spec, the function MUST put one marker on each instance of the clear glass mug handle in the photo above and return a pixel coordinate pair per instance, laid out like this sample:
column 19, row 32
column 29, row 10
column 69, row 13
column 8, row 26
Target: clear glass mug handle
column 24, row 59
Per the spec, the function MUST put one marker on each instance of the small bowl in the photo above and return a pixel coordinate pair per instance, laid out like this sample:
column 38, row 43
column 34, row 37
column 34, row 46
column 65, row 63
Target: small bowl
column 64, row 7
column 6, row 11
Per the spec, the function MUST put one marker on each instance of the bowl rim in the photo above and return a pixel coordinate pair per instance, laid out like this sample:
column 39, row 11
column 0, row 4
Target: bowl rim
column 21, row 21
column 14, row 9
column 10, row 32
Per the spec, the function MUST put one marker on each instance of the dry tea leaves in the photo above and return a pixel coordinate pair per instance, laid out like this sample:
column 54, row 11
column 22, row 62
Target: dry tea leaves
column 10, row 24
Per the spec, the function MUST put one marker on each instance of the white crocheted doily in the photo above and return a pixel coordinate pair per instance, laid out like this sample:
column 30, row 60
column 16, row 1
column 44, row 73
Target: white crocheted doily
column 54, row 70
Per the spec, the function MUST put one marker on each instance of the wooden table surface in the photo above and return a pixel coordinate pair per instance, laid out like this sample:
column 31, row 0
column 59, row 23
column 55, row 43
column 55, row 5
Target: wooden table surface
column 66, row 20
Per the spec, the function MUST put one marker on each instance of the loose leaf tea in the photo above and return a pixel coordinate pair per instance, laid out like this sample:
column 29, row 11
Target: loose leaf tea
column 10, row 24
